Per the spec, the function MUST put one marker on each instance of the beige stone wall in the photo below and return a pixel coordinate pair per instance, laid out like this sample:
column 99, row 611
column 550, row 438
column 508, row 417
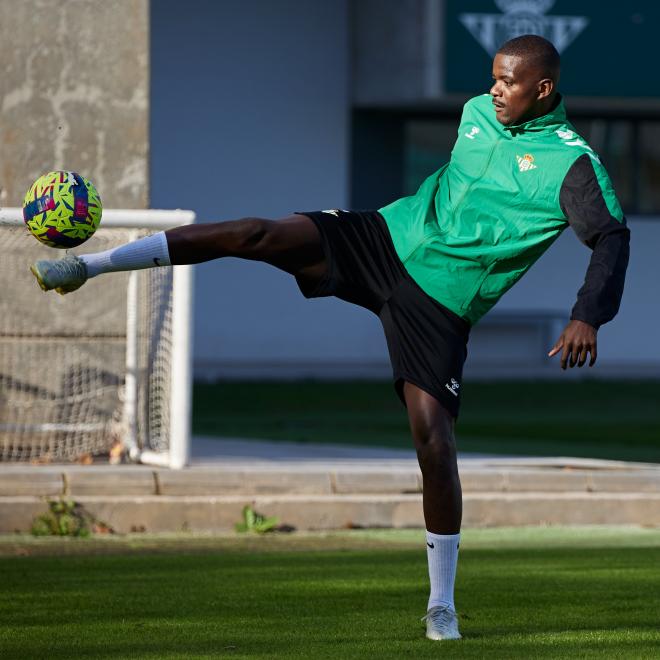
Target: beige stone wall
column 74, row 93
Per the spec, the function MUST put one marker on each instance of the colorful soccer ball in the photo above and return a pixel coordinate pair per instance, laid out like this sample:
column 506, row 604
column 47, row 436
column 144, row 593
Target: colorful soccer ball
column 62, row 209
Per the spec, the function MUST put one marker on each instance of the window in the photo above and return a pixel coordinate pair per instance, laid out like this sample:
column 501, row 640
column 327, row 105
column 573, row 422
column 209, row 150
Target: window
column 427, row 147
column 649, row 167
column 615, row 141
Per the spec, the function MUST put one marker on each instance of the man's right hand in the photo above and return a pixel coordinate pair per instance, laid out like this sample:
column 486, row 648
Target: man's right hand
column 575, row 343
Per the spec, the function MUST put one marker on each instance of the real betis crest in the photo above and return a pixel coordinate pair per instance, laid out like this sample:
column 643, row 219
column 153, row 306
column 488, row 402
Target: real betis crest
column 523, row 17
column 525, row 162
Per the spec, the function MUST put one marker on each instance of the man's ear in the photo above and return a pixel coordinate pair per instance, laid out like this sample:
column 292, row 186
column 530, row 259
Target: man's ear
column 545, row 88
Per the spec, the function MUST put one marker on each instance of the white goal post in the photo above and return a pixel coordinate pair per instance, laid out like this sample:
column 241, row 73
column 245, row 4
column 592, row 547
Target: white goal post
column 107, row 365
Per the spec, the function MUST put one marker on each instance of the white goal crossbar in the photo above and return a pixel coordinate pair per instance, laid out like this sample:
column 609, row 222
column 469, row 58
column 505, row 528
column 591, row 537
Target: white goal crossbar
column 173, row 452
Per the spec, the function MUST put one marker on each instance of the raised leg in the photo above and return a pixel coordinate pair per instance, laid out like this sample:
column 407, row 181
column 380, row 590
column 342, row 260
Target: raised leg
column 292, row 244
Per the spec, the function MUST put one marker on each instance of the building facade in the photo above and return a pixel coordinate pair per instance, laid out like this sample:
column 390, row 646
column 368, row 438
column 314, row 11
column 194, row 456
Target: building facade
column 261, row 108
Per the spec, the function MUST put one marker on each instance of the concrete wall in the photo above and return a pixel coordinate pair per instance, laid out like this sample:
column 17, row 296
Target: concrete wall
column 74, row 95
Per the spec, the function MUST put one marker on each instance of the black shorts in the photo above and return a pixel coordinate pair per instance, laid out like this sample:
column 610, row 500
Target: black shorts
column 427, row 342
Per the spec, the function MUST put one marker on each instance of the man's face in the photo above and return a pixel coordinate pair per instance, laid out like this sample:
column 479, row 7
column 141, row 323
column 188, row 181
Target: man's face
column 515, row 89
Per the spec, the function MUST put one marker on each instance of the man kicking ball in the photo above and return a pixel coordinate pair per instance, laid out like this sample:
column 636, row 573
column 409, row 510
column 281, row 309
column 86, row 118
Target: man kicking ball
column 431, row 265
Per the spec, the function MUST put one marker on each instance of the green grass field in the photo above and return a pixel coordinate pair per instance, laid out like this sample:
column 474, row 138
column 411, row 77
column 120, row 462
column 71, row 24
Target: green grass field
column 598, row 419
column 541, row 593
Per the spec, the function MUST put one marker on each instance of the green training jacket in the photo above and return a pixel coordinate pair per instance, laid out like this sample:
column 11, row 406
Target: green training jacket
column 477, row 225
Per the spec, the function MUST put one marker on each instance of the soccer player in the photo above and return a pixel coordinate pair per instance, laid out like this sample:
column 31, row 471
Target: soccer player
column 431, row 265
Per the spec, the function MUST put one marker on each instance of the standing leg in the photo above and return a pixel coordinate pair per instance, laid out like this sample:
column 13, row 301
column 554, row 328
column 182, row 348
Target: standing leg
column 433, row 434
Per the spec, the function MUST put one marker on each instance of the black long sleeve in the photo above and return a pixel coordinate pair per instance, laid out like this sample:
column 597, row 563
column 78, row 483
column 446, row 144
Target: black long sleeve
column 582, row 201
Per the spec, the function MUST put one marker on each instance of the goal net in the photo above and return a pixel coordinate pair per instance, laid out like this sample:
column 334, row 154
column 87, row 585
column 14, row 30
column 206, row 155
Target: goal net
column 106, row 365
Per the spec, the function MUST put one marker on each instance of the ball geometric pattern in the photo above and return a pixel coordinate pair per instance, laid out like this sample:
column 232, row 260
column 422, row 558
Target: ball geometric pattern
column 62, row 209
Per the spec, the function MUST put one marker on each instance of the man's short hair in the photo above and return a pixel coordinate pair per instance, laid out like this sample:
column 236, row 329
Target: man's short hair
column 536, row 51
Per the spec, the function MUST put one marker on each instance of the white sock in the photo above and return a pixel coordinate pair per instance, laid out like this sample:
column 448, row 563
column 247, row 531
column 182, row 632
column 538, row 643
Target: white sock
column 147, row 252
column 442, row 553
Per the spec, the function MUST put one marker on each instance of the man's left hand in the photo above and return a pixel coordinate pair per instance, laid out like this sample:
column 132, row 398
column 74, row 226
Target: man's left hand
column 577, row 340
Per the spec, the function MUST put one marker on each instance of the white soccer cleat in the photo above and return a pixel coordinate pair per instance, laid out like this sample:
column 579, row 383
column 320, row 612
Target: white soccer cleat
column 441, row 623
column 63, row 275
